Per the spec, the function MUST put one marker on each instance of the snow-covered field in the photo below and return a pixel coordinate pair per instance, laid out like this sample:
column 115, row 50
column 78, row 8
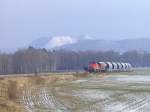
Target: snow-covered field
column 117, row 92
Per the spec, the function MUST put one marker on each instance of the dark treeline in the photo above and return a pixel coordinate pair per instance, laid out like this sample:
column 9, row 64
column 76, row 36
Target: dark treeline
column 33, row 60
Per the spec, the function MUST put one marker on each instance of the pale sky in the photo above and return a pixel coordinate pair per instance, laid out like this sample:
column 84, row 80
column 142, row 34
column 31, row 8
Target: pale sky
column 22, row 21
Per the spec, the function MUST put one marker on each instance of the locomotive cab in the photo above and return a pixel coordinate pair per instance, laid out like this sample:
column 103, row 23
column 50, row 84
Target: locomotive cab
column 94, row 67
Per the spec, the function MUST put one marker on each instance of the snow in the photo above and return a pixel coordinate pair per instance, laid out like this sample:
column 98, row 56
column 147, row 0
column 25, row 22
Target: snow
column 133, row 79
column 79, row 81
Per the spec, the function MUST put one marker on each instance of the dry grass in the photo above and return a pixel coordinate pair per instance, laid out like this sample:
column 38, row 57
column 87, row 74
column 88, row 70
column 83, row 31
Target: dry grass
column 9, row 96
column 15, row 85
column 10, row 106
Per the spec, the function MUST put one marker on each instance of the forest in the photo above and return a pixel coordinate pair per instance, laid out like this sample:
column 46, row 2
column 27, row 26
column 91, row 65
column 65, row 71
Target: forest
column 33, row 60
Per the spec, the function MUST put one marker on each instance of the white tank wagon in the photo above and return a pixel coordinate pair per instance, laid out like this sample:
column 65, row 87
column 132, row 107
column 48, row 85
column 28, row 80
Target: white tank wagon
column 123, row 67
column 119, row 67
column 109, row 67
column 130, row 67
column 103, row 66
column 114, row 66
column 126, row 66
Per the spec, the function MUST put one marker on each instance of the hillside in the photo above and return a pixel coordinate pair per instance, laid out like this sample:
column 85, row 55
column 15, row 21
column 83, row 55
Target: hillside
column 70, row 43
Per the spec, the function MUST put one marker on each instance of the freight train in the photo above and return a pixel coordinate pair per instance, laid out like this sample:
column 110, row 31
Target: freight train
column 108, row 67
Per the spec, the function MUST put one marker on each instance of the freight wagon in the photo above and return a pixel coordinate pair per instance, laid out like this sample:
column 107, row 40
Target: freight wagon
column 109, row 67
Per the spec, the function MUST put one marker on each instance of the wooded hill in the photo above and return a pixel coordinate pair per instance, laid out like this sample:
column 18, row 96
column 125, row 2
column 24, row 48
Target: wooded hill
column 33, row 60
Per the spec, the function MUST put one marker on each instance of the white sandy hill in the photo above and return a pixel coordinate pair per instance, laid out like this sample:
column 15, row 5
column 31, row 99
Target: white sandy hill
column 53, row 42
column 59, row 41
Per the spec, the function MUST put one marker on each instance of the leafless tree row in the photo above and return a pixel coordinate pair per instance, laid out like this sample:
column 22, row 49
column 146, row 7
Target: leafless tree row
column 33, row 60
